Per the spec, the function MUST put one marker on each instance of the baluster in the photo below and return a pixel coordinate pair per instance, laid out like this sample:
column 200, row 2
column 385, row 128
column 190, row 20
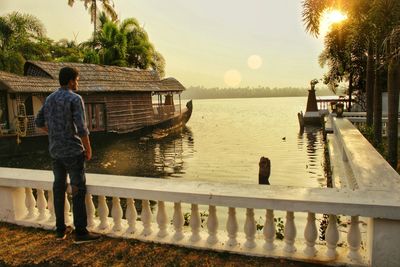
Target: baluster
column 310, row 235
column 250, row 229
column 232, row 227
column 290, row 232
column 269, row 230
column 195, row 223
column 162, row 220
column 30, row 203
column 178, row 222
column 212, row 225
column 354, row 239
column 41, row 204
column 90, row 210
column 331, row 237
column 146, row 218
column 116, row 213
column 50, row 206
column 131, row 215
column 67, row 208
column 103, row 213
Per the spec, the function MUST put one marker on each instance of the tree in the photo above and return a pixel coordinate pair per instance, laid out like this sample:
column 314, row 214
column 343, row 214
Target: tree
column 126, row 44
column 344, row 49
column 22, row 37
column 91, row 6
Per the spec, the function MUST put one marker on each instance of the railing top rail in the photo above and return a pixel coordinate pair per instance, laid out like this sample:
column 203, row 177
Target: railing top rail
column 370, row 169
column 376, row 204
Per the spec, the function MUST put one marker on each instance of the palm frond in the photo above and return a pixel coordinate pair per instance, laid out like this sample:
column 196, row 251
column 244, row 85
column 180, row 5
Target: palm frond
column 109, row 9
column 311, row 14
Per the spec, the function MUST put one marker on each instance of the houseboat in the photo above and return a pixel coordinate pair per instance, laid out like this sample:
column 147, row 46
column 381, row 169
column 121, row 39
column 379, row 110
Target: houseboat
column 118, row 101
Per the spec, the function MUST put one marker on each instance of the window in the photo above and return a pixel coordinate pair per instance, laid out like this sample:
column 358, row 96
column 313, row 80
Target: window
column 95, row 116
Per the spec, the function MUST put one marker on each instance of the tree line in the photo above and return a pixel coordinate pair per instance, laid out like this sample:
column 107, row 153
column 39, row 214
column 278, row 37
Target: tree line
column 120, row 43
column 199, row 92
column 364, row 51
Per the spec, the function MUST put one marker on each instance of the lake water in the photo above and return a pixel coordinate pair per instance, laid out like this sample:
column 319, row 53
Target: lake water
column 223, row 142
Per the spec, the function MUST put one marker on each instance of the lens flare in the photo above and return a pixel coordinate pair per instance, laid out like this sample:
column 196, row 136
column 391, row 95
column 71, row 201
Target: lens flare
column 254, row 62
column 232, row 77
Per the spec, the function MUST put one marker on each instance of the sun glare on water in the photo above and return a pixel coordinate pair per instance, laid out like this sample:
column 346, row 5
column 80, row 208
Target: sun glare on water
column 329, row 18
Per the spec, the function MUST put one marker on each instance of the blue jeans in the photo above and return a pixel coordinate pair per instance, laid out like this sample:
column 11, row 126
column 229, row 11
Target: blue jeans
column 75, row 167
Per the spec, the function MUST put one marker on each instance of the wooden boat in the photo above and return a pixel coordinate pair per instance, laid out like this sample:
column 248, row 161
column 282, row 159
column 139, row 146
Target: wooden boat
column 118, row 101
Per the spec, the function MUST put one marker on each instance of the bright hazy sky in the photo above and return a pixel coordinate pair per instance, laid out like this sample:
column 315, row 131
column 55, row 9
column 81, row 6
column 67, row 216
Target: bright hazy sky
column 209, row 42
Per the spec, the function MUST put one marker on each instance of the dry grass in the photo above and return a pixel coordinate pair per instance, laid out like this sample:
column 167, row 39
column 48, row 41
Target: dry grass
column 21, row 246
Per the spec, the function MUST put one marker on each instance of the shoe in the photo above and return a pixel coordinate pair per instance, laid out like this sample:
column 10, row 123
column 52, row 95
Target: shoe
column 88, row 237
column 62, row 235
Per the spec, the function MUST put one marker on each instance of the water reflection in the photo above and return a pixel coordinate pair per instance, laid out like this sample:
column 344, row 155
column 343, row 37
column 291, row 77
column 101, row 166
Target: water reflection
column 127, row 156
column 314, row 143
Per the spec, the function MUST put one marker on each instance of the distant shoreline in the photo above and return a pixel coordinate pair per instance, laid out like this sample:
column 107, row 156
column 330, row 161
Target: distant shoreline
column 226, row 93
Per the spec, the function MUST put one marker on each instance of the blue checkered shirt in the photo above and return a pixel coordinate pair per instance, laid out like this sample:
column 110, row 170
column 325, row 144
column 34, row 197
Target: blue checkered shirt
column 64, row 115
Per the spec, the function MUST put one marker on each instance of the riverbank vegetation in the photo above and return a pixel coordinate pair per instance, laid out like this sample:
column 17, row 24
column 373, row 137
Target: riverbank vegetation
column 363, row 50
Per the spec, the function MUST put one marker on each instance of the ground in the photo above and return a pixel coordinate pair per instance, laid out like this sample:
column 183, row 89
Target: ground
column 22, row 246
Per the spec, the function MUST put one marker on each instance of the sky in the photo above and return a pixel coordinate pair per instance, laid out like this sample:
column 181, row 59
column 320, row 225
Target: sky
column 210, row 43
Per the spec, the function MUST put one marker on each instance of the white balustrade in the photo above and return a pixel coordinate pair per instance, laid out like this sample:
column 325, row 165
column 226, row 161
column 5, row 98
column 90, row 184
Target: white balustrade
column 116, row 213
column 331, row 237
column 103, row 213
column 195, row 223
column 30, row 203
column 90, row 211
column 269, row 230
column 212, row 225
column 178, row 222
column 131, row 216
column 354, row 239
column 232, row 227
column 146, row 217
column 310, row 235
column 289, row 233
column 162, row 220
column 41, row 204
column 250, row 229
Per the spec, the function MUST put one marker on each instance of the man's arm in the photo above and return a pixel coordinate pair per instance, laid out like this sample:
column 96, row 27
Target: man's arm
column 88, row 148
column 40, row 120
column 78, row 115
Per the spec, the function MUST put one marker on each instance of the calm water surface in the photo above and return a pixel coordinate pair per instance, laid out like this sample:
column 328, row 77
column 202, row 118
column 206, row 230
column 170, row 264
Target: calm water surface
column 223, row 142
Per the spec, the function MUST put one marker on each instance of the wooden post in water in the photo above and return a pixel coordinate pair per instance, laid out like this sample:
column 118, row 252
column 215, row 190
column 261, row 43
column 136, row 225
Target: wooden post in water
column 265, row 171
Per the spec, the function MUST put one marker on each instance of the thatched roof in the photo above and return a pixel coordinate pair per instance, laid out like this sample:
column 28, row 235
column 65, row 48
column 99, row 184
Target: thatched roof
column 43, row 77
column 16, row 83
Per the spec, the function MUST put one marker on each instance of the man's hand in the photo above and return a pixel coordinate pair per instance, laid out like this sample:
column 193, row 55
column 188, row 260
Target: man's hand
column 88, row 148
column 44, row 129
column 88, row 154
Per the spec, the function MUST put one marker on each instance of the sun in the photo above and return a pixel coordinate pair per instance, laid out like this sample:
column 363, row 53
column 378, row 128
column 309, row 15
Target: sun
column 330, row 17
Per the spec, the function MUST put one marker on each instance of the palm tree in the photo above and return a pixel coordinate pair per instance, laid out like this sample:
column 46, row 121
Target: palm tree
column 344, row 46
column 126, row 44
column 20, row 39
column 91, row 5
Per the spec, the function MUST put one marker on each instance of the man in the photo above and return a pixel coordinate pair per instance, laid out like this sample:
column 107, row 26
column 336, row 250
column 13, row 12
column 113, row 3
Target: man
column 63, row 117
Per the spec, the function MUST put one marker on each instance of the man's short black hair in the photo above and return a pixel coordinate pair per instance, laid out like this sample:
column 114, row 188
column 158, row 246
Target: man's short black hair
column 67, row 74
